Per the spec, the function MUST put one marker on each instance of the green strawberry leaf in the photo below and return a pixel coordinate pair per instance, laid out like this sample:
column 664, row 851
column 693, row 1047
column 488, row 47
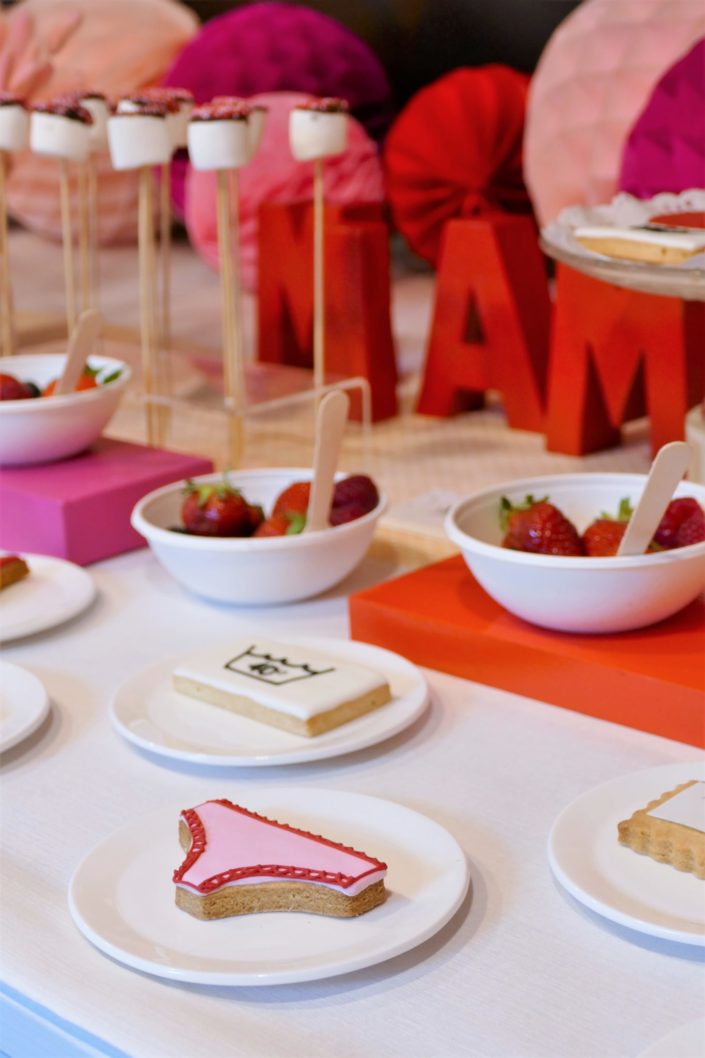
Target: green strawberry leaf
column 296, row 522
column 112, row 377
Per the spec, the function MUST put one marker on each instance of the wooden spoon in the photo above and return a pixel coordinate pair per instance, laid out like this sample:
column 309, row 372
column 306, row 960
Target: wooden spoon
column 330, row 425
column 81, row 343
column 667, row 469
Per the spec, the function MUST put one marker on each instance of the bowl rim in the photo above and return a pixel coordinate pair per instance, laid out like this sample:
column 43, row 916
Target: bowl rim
column 237, row 544
column 31, row 406
column 471, row 543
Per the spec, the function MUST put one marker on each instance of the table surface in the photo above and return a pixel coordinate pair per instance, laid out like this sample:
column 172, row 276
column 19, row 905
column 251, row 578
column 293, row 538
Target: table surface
column 519, row 971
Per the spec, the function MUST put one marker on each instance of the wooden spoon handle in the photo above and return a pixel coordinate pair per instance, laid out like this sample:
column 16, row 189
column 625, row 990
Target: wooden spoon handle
column 330, row 426
column 667, row 469
column 81, row 343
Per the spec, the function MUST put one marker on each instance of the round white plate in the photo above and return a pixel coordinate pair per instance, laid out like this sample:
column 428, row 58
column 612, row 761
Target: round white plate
column 23, row 704
column 54, row 591
column 687, row 1041
column 121, row 896
column 613, row 880
column 149, row 712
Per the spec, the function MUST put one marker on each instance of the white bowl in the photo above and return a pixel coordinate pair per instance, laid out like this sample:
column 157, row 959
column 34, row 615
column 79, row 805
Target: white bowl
column 45, row 429
column 576, row 594
column 252, row 571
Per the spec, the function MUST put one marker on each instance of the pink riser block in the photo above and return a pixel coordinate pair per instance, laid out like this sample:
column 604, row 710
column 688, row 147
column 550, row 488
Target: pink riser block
column 79, row 509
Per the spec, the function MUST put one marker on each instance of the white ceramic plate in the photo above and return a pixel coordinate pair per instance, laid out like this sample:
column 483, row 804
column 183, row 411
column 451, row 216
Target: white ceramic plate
column 53, row 592
column 616, row 882
column 23, row 704
column 687, row 1041
column 147, row 711
column 121, row 896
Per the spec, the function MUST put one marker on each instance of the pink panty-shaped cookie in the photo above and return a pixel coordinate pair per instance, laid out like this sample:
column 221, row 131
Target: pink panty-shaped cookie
column 241, row 863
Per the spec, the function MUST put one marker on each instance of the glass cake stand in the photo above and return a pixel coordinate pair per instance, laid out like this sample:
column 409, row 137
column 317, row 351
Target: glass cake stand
column 674, row 281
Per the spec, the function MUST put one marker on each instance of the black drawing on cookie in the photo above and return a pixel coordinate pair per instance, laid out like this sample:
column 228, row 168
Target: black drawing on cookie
column 273, row 670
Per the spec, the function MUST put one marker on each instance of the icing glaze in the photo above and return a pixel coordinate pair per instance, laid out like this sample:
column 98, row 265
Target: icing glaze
column 232, row 846
column 686, row 808
column 285, row 678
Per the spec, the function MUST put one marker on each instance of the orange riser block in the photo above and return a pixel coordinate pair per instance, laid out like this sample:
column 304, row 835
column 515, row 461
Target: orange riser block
column 617, row 355
column 490, row 321
column 652, row 679
column 358, row 332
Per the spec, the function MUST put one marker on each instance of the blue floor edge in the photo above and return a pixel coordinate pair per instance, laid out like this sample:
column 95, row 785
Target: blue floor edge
column 32, row 1026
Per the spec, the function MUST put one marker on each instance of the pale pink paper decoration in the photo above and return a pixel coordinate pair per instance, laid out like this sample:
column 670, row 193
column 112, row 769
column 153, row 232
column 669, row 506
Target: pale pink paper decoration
column 592, row 82
column 274, row 175
column 112, row 46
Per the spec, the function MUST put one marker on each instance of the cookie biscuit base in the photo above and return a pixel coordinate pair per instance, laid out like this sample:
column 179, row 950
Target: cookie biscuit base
column 315, row 725
column 12, row 570
column 680, row 846
column 646, row 252
column 253, row 899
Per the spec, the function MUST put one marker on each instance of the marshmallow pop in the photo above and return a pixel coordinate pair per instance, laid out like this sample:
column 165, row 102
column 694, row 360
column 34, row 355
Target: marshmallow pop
column 139, row 137
column 318, row 129
column 219, row 140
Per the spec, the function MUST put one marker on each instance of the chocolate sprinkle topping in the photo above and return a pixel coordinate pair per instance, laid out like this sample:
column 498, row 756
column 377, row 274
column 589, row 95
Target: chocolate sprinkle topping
column 65, row 107
column 327, row 105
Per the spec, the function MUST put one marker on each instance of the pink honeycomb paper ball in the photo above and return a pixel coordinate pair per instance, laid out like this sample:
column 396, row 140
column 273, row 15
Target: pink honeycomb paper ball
column 593, row 80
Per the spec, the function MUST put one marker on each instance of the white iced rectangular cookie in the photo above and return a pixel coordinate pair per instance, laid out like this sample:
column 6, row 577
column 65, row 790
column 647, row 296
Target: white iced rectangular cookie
column 636, row 244
column 686, row 808
column 282, row 685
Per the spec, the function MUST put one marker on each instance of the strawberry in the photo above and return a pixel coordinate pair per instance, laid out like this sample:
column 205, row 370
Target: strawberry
column 677, row 512
column 281, row 523
column 12, row 389
column 86, row 381
column 539, row 527
column 294, row 498
column 349, row 513
column 356, row 489
column 216, row 510
column 692, row 530
column 603, row 536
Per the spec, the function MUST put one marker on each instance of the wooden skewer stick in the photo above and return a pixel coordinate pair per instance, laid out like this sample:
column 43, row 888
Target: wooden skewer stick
column 84, row 238
column 6, row 306
column 67, row 238
column 231, row 297
column 147, row 298
column 165, row 252
column 93, row 232
column 319, row 356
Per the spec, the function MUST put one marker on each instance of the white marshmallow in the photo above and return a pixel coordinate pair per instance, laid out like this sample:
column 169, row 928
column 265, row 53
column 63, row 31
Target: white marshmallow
column 317, row 133
column 58, row 136
column 99, row 110
column 256, row 122
column 14, row 126
column 137, row 139
column 219, row 143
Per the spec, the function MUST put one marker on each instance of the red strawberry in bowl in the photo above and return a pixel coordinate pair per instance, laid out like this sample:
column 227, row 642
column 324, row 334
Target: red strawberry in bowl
column 12, row 389
column 217, row 510
column 692, row 530
column 676, row 514
column 281, row 523
column 358, row 489
column 604, row 535
column 294, row 498
column 538, row 527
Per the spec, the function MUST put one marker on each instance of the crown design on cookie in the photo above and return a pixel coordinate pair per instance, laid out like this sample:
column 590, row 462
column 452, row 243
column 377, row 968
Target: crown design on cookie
column 231, row 845
column 269, row 668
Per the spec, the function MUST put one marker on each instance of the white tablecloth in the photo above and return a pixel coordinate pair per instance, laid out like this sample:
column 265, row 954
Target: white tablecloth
column 523, row 972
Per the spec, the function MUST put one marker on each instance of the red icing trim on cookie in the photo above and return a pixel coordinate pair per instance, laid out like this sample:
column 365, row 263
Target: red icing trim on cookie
column 199, row 843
